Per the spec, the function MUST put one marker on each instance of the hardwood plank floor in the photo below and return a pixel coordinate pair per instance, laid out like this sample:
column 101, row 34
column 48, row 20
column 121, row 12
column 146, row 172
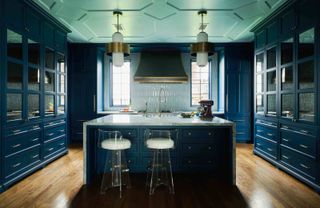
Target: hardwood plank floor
column 259, row 184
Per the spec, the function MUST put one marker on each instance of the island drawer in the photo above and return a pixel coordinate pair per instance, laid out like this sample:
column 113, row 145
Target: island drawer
column 17, row 162
column 198, row 162
column 303, row 143
column 21, row 142
column 54, row 132
column 203, row 149
column 267, row 146
column 298, row 161
column 198, row 135
column 54, row 146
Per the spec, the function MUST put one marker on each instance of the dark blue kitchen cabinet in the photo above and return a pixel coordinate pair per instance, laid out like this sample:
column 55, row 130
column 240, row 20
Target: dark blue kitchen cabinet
column 33, row 90
column 287, row 95
column 83, row 62
column 239, row 70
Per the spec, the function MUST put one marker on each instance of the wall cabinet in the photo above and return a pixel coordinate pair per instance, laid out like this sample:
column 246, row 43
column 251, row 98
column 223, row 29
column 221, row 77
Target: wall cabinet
column 287, row 93
column 33, row 90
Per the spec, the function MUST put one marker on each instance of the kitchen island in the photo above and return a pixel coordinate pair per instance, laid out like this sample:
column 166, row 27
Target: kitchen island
column 200, row 146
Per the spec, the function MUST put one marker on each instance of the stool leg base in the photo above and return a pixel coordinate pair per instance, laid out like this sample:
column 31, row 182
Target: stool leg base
column 161, row 171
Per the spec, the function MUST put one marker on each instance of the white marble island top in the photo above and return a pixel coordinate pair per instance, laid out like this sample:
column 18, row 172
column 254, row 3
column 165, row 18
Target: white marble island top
column 155, row 120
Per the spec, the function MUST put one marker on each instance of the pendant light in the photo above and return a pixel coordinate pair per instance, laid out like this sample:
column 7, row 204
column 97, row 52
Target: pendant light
column 117, row 49
column 202, row 48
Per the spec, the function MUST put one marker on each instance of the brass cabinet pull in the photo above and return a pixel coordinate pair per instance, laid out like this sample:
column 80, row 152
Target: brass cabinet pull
column 189, row 147
column 50, row 134
column 286, row 140
column 259, row 144
column 17, row 131
column 209, row 148
column 286, row 157
column 50, row 149
column 303, row 146
column 285, row 127
column 35, row 156
column 189, row 133
column 304, row 131
column 36, row 139
column 269, row 134
column 16, row 165
column 259, row 131
column 304, row 166
column 15, row 146
column 209, row 133
column 61, row 131
column 129, row 133
column 269, row 149
column 61, row 144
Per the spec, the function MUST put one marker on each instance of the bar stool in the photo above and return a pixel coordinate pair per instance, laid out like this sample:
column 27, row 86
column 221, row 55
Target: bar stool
column 160, row 170
column 119, row 172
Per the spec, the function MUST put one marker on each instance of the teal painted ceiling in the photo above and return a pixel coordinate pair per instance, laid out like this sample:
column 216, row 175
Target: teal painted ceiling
column 159, row 21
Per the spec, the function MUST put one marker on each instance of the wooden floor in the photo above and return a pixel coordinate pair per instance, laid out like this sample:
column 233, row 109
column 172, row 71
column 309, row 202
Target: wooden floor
column 259, row 184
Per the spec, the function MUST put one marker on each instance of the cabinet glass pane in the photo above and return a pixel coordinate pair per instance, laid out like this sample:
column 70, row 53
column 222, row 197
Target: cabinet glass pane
column 49, row 81
column 271, row 81
column 287, row 51
column 306, row 75
column 306, row 44
column 61, row 104
column 49, row 59
column 61, row 83
column 259, row 62
column 287, row 101
column 14, row 76
column 14, row 106
column 14, row 45
column 61, row 61
column 33, row 105
column 271, row 105
column 259, row 83
column 287, row 78
column 271, row 58
column 33, row 79
column 49, row 105
column 33, row 52
column 306, row 106
column 259, row 104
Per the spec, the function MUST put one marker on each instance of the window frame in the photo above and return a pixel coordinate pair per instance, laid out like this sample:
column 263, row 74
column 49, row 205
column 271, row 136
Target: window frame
column 209, row 81
column 110, row 97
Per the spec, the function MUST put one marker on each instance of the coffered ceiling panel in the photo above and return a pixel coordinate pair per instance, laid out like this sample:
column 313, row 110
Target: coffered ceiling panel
column 160, row 20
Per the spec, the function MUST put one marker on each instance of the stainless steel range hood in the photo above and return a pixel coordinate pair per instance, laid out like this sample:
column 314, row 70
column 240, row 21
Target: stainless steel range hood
column 160, row 67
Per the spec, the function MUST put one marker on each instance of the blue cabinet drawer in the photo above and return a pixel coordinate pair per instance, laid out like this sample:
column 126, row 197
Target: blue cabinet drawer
column 201, row 135
column 203, row 149
column 21, row 142
column 54, row 123
column 16, row 163
column 303, row 164
column 54, row 132
column 268, row 147
column 303, row 143
column 267, row 132
column 16, row 131
column 308, row 131
column 54, row 146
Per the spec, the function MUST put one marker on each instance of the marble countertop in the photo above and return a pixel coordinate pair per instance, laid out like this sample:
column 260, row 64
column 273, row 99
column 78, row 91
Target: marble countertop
column 155, row 120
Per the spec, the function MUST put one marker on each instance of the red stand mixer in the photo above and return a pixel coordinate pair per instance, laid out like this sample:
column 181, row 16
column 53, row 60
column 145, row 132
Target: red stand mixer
column 206, row 113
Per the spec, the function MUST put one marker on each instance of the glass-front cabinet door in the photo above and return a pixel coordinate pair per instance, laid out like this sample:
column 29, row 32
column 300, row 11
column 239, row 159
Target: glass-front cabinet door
column 49, row 82
column 34, row 79
column 271, row 82
column 306, row 88
column 14, row 76
column 260, row 83
column 61, row 85
column 287, row 87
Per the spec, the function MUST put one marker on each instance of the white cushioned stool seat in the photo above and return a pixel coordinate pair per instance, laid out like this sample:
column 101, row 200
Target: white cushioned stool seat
column 160, row 143
column 111, row 144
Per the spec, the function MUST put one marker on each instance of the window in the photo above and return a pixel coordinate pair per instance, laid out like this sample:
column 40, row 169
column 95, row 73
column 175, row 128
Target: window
column 200, row 83
column 120, row 84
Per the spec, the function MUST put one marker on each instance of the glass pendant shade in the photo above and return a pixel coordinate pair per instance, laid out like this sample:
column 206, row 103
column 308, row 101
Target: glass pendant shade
column 202, row 57
column 117, row 57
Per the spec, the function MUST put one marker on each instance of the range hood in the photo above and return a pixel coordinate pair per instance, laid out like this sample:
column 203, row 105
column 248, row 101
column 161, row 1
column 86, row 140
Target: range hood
column 160, row 66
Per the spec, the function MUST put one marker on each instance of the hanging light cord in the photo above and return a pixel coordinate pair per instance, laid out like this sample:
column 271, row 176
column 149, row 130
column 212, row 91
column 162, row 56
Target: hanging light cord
column 201, row 22
column 117, row 22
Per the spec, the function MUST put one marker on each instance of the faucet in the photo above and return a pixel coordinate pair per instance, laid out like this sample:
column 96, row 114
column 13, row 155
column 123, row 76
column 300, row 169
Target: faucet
column 162, row 90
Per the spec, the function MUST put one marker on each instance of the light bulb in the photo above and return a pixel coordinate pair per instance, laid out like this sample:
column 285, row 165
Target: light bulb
column 202, row 59
column 202, row 37
column 117, row 37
